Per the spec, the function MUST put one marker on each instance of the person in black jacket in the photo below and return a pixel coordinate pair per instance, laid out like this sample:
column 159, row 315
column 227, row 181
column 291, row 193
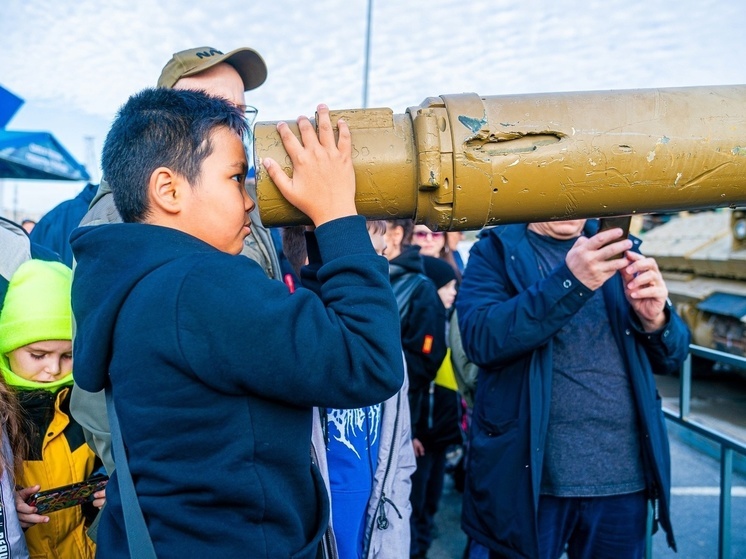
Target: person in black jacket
column 420, row 314
column 439, row 424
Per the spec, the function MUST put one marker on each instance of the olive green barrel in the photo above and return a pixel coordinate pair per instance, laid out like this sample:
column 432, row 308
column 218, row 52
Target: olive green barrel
column 459, row 162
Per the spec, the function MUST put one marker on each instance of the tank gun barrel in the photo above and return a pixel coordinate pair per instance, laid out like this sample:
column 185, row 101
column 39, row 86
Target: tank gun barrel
column 459, row 162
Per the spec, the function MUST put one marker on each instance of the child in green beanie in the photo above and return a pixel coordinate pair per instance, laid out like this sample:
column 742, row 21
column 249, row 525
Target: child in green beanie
column 36, row 362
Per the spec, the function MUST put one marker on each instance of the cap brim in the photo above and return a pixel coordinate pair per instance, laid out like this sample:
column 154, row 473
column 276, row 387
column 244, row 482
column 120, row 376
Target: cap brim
column 250, row 66
column 247, row 62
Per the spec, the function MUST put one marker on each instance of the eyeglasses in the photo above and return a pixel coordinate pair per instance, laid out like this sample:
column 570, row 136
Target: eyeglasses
column 431, row 234
column 249, row 113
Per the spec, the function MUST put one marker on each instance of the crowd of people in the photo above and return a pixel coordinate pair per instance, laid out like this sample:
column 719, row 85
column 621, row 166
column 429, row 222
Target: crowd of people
column 302, row 392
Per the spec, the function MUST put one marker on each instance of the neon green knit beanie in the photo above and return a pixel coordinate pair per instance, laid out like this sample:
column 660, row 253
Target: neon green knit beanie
column 37, row 306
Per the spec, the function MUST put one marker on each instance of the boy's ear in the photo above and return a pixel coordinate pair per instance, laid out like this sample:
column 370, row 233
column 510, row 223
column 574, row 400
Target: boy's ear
column 164, row 190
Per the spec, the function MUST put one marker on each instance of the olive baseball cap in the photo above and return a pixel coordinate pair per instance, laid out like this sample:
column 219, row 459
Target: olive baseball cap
column 247, row 62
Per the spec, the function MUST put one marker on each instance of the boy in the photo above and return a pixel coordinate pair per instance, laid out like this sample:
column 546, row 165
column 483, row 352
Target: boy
column 217, row 433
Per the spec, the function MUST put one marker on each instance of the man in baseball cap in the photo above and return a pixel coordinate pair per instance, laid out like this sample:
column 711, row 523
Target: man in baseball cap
column 247, row 62
column 226, row 75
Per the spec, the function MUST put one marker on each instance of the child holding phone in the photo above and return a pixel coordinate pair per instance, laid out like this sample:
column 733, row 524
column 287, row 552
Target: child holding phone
column 36, row 362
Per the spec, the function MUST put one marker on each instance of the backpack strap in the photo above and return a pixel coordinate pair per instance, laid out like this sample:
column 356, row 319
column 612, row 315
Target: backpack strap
column 404, row 288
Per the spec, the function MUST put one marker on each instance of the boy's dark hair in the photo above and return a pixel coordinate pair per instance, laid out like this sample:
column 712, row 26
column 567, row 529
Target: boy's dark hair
column 294, row 246
column 162, row 128
column 407, row 226
column 376, row 226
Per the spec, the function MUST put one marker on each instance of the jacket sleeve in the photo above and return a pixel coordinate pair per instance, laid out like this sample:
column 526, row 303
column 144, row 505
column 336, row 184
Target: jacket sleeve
column 668, row 347
column 89, row 410
column 465, row 371
column 498, row 321
column 240, row 332
column 423, row 336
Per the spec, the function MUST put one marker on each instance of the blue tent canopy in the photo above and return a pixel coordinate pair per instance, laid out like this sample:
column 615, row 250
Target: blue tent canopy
column 32, row 155
column 37, row 156
column 9, row 105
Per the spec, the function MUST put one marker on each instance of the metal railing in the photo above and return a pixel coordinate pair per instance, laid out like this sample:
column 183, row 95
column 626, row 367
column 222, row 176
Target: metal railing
column 727, row 445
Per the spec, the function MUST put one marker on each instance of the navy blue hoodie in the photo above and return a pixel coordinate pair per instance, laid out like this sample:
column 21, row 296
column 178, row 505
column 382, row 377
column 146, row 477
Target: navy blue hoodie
column 215, row 370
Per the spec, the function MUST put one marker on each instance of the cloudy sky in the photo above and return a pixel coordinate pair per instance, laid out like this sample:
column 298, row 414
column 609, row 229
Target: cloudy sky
column 76, row 62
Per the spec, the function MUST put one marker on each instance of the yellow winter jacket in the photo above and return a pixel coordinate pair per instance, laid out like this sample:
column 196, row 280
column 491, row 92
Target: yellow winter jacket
column 58, row 456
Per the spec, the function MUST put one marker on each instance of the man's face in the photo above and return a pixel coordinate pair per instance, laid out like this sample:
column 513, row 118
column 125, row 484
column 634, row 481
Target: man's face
column 562, row 230
column 216, row 209
column 222, row 80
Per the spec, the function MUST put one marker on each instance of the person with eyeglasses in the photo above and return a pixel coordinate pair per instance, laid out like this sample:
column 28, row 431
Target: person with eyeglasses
column 433, row 243
column 227, row 75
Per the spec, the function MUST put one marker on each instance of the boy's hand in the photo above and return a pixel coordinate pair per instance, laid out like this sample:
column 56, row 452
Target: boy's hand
column 323, row 183
column 26, row 513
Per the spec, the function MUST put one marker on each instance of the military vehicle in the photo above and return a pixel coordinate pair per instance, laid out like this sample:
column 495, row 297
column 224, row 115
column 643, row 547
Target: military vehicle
column 703, row 259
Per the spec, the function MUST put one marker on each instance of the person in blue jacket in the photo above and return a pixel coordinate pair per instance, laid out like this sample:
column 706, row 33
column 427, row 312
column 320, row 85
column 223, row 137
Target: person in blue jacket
column 217, row 430
column 54, row 228
column 568, row 441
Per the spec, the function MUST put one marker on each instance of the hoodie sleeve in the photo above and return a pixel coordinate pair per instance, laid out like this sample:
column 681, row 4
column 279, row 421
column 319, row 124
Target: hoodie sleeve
column 241, row 332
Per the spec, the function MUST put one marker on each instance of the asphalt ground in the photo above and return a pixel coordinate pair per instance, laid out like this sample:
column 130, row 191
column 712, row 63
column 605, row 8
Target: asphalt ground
column 694, row 507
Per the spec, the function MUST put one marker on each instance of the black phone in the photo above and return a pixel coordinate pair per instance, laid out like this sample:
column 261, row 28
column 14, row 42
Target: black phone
column 623, row 222
column 67, row 495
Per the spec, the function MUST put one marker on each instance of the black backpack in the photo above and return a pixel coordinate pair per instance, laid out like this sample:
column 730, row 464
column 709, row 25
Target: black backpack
column 404, row 287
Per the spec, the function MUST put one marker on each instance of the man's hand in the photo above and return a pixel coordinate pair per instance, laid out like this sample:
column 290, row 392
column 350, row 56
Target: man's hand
column 591, row 259
column 26, row 513
column 323, row 182
column 645, row 290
